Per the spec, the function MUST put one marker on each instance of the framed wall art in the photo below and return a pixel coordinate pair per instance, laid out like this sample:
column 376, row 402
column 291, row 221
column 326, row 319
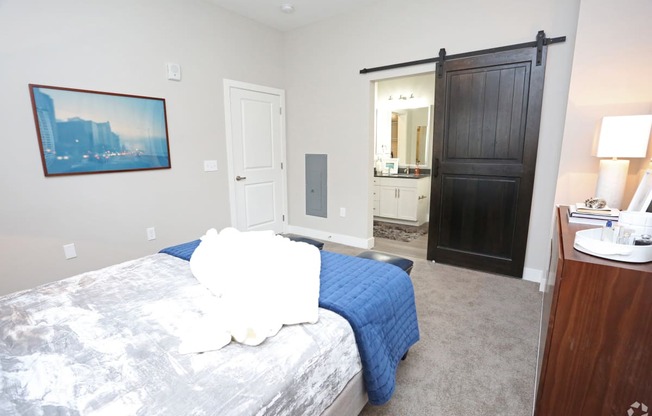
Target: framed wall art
column 81, row 131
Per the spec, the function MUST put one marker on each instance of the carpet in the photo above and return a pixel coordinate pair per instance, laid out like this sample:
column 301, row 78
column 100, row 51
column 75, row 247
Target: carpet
column 399, row 232
column 477, row 354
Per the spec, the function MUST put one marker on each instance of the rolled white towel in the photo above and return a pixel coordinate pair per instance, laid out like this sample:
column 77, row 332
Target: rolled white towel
column 205, row 334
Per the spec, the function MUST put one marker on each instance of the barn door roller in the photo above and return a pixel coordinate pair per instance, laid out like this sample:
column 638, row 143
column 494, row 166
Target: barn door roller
column 440, row 63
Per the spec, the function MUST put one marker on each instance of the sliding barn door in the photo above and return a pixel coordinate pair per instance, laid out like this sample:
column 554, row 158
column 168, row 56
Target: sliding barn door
column 487, row 111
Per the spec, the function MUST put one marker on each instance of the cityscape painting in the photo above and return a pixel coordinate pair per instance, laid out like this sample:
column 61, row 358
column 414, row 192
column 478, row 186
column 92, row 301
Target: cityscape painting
column 83, row 131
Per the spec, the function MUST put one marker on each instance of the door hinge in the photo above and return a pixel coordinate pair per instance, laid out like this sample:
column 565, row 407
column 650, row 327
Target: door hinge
column 283, row 218
column 280, row 110
column 281, row 165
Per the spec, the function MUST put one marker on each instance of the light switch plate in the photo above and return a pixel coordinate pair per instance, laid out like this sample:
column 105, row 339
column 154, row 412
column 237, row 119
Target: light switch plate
column 69, row 251
column 210, row 165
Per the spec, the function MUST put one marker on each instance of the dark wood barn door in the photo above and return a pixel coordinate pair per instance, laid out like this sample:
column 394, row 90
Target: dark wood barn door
column 487, row 113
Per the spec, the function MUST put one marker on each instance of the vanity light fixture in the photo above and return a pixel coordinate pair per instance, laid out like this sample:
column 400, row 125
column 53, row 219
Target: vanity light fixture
column 287, row 8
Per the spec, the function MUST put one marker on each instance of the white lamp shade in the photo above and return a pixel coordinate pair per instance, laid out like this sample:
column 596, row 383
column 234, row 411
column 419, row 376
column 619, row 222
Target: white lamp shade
column 623, row 136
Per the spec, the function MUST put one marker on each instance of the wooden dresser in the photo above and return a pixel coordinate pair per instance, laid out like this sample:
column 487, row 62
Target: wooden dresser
column 596, row 344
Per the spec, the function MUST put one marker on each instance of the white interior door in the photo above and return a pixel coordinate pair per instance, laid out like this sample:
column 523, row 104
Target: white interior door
column 256, row 137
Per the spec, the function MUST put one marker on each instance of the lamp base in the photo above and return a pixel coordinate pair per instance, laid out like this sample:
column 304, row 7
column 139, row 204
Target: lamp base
column 611, row 182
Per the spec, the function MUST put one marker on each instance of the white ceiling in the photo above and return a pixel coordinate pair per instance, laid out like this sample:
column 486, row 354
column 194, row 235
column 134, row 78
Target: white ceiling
column 269, row 12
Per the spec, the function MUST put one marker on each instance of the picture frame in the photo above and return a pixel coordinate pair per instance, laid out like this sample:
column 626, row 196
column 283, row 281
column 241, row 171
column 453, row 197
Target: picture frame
column 391, row 165
column 642, row 200
column 87, row 132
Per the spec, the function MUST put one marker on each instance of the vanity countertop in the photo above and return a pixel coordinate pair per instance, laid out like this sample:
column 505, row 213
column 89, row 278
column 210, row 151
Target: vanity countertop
column 403, row 175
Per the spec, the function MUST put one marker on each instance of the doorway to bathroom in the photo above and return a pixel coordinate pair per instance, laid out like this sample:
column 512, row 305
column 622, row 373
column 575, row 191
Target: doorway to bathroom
column 403, row 128
column 488, row 111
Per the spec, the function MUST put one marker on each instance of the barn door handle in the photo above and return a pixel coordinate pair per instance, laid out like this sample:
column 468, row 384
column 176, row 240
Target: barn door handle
column 240, row 178
column 436, row 173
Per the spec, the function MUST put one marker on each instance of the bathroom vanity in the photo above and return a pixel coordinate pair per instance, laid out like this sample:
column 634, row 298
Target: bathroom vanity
column 402, row 198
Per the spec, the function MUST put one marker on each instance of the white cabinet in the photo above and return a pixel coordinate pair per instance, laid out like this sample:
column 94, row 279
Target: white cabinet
column 398, row 202
column 404, row 200
column 376, row 196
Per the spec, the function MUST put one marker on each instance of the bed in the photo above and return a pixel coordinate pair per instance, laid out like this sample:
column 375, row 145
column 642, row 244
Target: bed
column 107, row 342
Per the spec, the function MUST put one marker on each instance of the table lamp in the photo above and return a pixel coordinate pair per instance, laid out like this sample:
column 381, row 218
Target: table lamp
column 620, row 136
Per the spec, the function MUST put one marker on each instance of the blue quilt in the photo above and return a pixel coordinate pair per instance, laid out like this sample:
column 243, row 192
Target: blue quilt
column 378, row 301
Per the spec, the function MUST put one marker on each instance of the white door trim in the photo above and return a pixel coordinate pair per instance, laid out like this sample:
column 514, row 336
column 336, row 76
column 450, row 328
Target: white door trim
column 228, row 84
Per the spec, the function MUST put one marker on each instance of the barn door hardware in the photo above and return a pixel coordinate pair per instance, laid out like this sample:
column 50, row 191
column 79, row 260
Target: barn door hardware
column 541, row 40
column 539, row 43
column 440, row 63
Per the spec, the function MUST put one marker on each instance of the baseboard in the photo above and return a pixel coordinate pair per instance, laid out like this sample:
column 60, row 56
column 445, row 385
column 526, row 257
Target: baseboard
column 532, row 275
column 347, row 240
column 529, row 274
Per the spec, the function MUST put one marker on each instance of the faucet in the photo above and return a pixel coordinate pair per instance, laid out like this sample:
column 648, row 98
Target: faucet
column 407, row 170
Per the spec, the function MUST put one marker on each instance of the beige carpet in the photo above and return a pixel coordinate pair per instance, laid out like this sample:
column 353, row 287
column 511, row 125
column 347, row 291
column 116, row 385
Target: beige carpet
column 477, row 353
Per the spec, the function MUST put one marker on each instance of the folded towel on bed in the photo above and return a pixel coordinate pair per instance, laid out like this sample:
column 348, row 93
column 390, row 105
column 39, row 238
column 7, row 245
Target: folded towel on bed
column 202, row 335
column 262, row 281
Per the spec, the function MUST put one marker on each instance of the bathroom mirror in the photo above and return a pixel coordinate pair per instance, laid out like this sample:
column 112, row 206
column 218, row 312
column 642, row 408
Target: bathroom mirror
column 404, row 134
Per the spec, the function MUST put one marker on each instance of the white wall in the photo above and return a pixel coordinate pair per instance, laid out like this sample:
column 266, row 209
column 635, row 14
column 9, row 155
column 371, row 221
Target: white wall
column 330, row 104
column 611, row 76
column 118, row 46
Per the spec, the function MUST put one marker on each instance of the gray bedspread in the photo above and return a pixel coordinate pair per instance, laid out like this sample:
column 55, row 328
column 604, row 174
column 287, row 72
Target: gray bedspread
column 106, row 343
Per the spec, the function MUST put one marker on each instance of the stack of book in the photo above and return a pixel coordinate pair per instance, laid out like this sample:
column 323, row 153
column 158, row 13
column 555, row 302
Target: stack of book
column 581, row 214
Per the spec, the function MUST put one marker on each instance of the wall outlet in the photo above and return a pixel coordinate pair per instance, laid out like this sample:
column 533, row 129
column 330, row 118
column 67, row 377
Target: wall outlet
column 210, row 165
column 151, row 233
column 342, row 212
column 69, row 251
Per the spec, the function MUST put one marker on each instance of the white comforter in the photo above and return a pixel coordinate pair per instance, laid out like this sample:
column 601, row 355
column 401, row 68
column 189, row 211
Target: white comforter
column 261, row 281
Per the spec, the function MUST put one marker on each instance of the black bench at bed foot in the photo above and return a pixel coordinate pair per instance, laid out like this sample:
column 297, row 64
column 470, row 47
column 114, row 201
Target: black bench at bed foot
column 303, row 239
column 401, row 262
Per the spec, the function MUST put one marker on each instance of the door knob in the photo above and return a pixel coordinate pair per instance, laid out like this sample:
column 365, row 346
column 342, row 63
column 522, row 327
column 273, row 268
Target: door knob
column 240, row 178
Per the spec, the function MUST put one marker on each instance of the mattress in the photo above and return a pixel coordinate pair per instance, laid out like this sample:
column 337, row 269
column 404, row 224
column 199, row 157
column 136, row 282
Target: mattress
column 106, row 343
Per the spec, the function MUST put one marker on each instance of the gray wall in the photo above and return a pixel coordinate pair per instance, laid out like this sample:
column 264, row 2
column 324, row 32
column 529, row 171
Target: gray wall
column 118, row 46
column 330, row 105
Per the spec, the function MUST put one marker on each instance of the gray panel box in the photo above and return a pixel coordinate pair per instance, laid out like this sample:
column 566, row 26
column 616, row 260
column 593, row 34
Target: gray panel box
column 316, row 185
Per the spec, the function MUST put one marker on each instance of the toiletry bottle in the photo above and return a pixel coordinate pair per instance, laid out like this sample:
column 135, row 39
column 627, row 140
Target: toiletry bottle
column 626, row 236
column 417, row 170
column 607, row 232
column 616, row 233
